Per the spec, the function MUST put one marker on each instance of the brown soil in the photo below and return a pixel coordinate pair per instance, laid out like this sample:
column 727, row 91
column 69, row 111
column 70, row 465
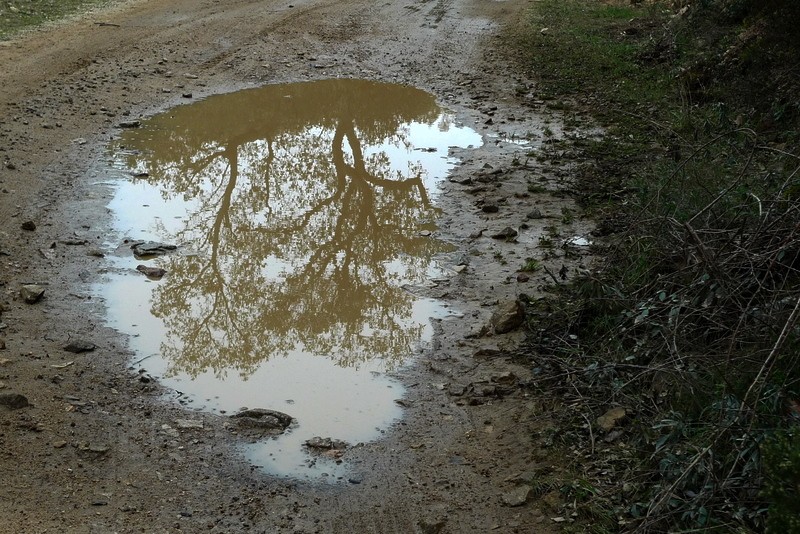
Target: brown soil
column 91, row 452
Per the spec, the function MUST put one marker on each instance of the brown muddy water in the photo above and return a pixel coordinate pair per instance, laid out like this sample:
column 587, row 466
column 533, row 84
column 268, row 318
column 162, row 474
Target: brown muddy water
column 303, row 215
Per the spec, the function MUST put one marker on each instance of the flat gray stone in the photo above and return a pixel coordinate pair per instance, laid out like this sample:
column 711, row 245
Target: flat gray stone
column 263, row 419
column 505, row 233
column 31, row 293
column 517, row 496
column 188, row 424
column 148, row 249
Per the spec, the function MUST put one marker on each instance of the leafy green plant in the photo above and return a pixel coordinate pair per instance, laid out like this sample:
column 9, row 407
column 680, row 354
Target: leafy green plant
column 692, row 319
column 781, row 454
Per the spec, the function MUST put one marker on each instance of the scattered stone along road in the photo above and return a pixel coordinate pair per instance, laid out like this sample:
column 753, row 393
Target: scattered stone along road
column 96, row 449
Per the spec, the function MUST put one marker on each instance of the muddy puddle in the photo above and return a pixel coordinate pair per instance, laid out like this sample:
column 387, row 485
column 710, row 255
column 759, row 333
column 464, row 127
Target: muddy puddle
column 303, row 216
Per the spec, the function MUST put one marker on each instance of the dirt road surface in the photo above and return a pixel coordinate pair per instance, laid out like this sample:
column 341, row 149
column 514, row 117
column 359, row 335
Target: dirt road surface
column 91, row 452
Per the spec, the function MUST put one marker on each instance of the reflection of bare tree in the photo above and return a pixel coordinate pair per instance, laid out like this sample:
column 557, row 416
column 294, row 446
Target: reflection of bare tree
column 303, row 238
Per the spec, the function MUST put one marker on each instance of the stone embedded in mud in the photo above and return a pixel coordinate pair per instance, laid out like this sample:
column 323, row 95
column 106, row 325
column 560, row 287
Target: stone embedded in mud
column 517, row 496
column 506, row 378
column 13, row 401
column 325, row 443
column 535, row 214
column 457, row 390
column 508, row 316
column 487, row 352
column 189, row 424
column 155, row 273
column 484, row 390
column 147, row 249
column 490, row 208
column 505, row 233
column 31, row 293
column 263, row 419
column 130, row 124
column 80, row 345
column 93, row 449
column 73, row 241
column 30, row 226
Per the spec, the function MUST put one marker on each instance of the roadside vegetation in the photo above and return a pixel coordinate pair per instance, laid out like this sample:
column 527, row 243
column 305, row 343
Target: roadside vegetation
column 686, row 337
column 18, row 15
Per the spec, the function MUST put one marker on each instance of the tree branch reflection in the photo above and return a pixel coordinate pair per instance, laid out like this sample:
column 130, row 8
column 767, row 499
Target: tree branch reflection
column 304, row 231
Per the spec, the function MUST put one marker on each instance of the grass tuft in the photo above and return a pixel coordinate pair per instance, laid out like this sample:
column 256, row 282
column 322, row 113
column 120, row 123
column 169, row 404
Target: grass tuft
column 19, row 15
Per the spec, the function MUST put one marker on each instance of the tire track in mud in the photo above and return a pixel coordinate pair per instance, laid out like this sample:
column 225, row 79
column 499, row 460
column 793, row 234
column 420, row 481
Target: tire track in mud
column 288, row 22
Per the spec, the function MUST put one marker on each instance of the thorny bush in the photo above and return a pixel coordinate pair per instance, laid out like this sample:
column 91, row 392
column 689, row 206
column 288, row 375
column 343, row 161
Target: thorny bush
column 691, row 325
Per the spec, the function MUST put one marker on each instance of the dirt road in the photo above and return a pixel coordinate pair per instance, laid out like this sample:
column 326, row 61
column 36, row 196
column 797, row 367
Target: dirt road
column 95, row 450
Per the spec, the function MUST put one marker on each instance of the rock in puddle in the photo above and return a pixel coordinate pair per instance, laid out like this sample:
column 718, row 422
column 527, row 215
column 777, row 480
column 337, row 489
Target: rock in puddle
column 149, row 249
column 263, row 419
column 325, row 444
column 156, row 273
